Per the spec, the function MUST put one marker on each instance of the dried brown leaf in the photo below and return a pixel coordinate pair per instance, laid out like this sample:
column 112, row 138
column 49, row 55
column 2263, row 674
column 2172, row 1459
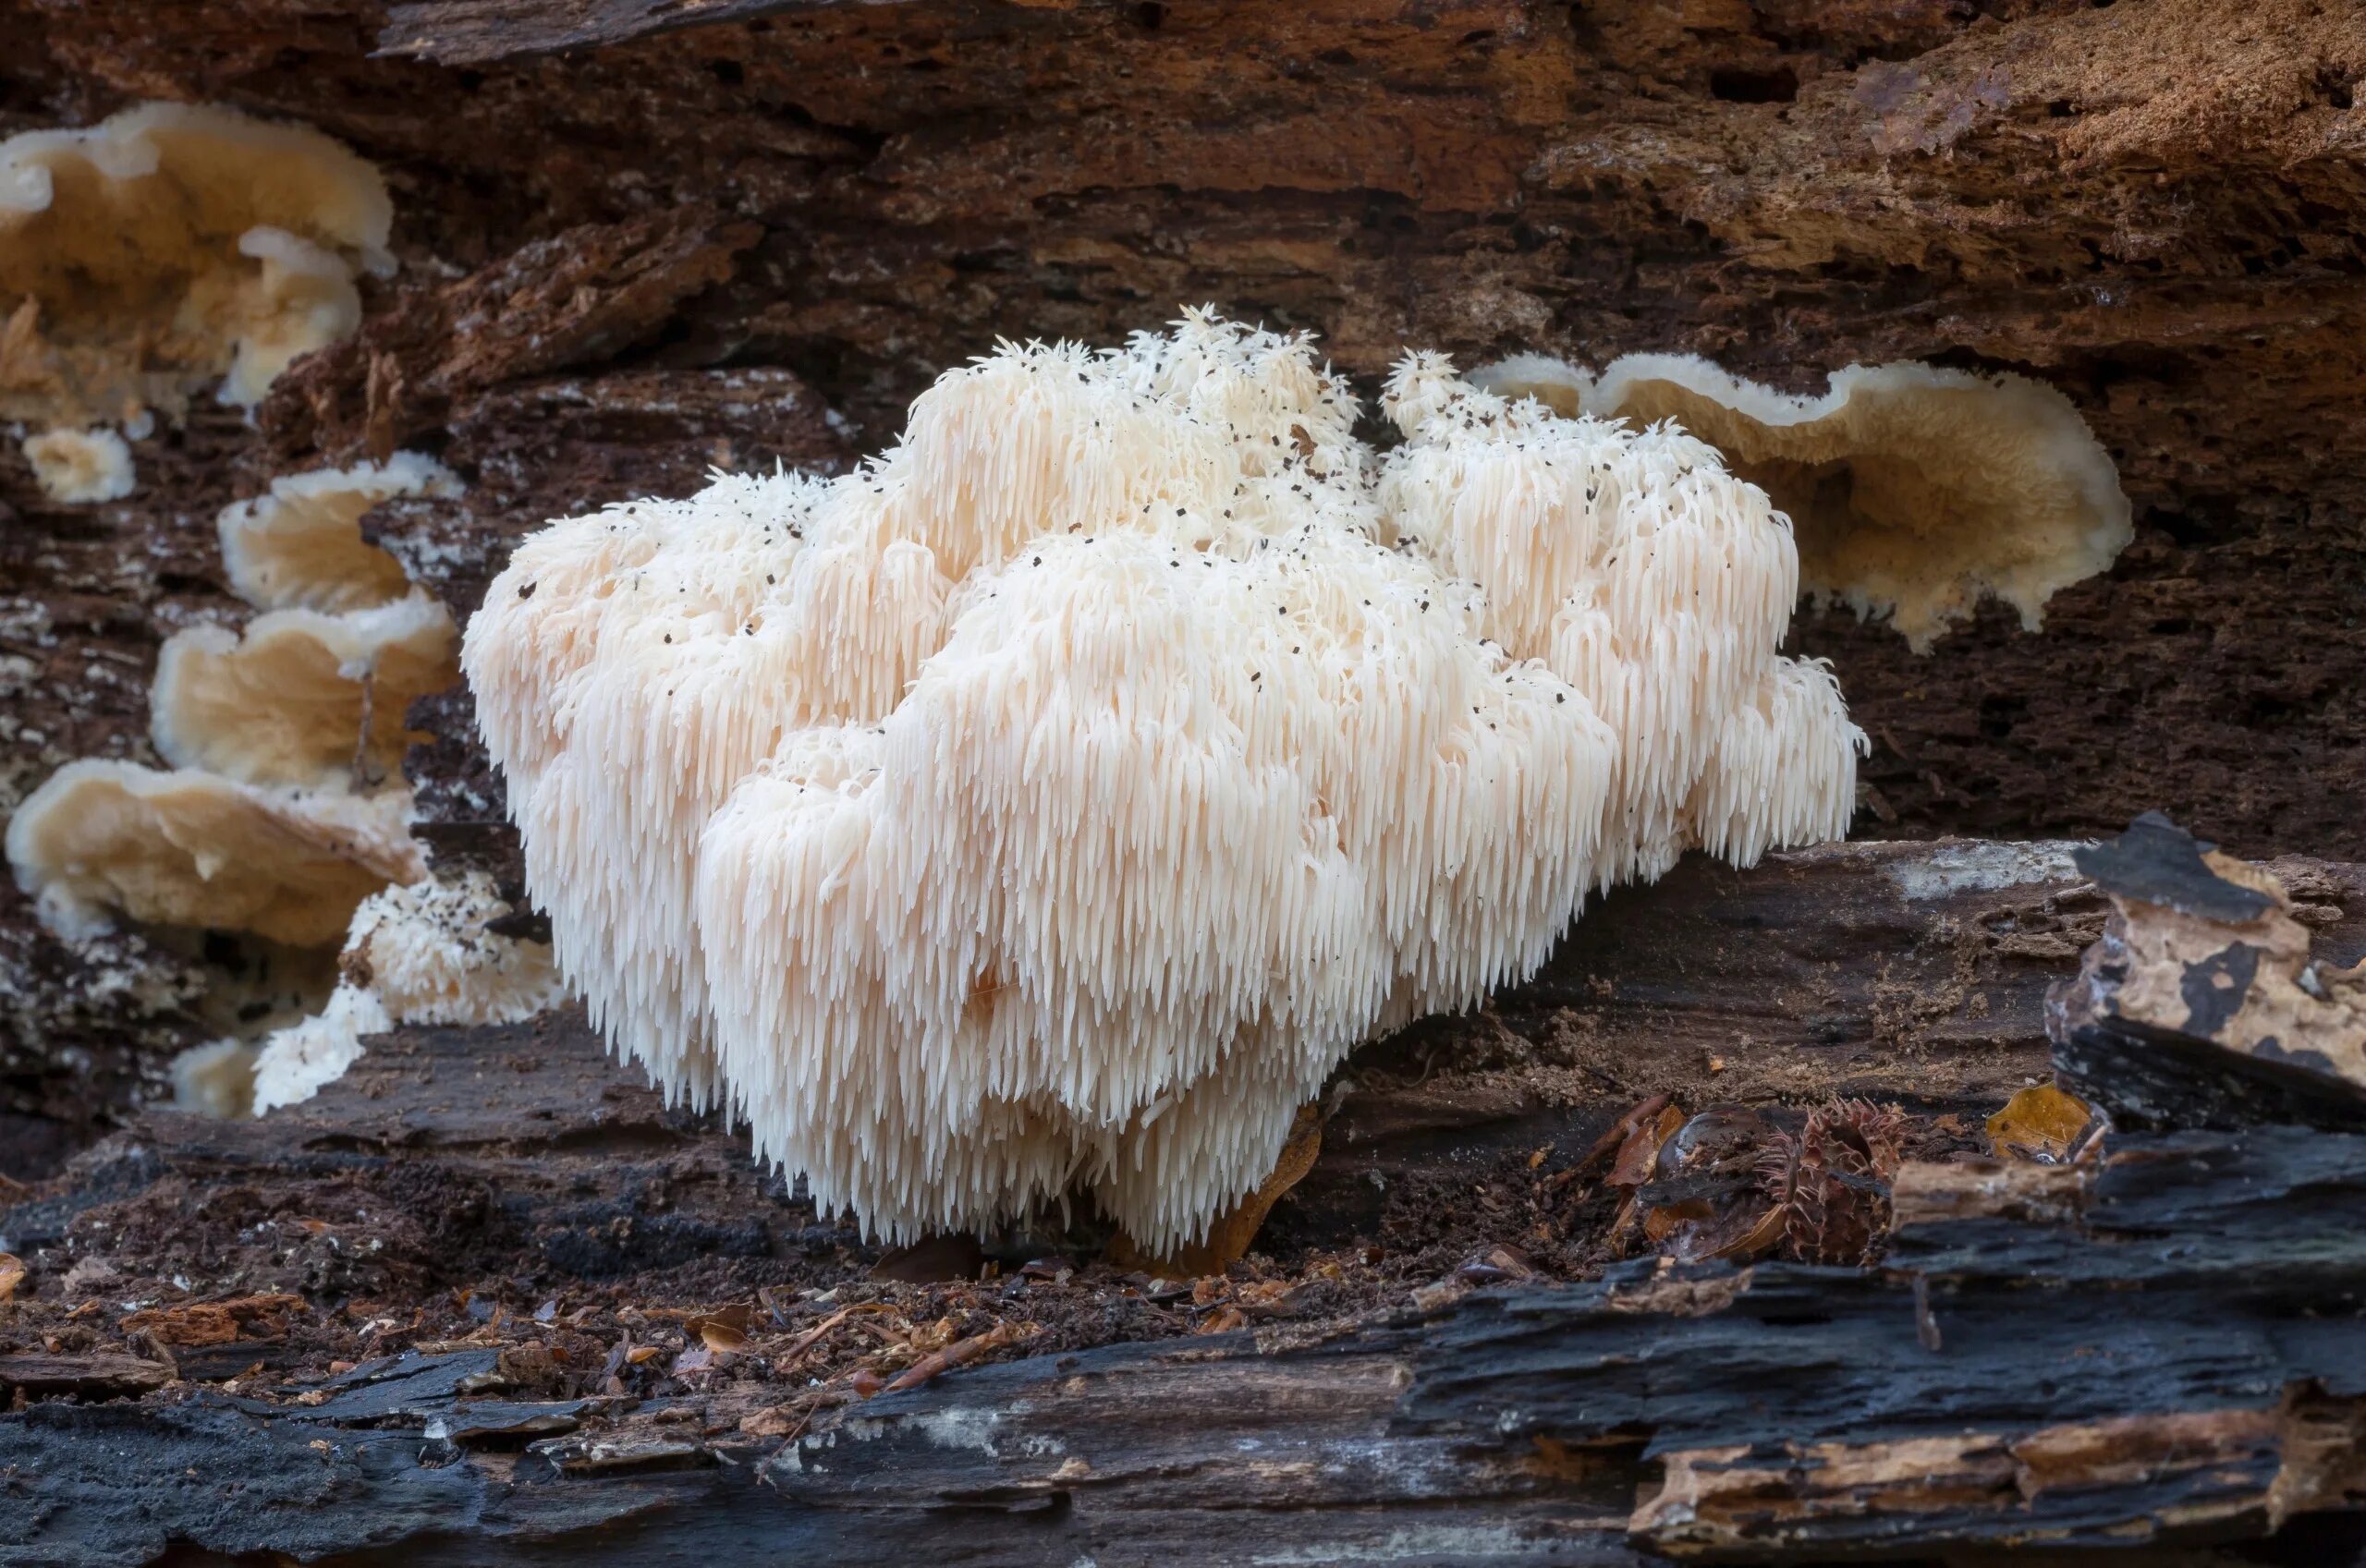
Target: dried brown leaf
column 1639, row 1156
column 1614, row 1139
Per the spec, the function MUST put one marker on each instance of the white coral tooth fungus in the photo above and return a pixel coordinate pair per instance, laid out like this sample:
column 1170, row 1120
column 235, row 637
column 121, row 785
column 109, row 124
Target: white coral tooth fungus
column 1651, row 579
column 415, row 954
column 1054, row 802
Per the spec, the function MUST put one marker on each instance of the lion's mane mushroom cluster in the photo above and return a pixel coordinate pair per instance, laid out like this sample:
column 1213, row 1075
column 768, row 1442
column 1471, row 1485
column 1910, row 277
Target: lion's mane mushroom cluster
column 1052, row 803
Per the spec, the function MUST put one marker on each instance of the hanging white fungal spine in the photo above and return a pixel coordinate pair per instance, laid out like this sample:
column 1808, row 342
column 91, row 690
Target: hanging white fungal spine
column 1056, row 800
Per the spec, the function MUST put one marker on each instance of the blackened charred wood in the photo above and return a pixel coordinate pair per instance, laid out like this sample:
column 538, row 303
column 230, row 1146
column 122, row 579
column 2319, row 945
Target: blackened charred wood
column 2209, row 1000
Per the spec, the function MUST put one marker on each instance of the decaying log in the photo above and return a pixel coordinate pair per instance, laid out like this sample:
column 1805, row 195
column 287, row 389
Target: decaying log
column 2207, row 1002
column 2159, row 1344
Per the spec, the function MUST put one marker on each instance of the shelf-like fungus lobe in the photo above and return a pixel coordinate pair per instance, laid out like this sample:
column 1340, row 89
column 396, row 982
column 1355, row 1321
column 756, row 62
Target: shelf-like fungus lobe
column 301, row 697
column 1913, row 489
column 171, row 247
column 299, row 545
column 104, row 839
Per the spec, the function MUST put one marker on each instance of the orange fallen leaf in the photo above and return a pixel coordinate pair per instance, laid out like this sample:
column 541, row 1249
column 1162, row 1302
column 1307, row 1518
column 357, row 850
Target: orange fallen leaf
column 12, row 1274
column 1639, row 1156
column 1223, row 1320
column 2041, row 1125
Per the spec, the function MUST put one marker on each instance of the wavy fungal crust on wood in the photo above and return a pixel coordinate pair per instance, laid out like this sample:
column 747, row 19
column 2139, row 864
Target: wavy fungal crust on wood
column 1913, row 489
column 1053, row 802
column 79, row 466
column 172, row 246
column 193, row 849
column 299, row 545
column 301, row 697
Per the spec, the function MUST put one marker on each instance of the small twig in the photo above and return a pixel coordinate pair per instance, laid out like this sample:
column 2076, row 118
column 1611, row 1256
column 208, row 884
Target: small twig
column 960, row 1354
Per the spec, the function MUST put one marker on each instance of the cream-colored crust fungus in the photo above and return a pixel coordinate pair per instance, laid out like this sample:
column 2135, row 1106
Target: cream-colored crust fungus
column 79, row 466
column 172, row 246
column 301, row 698
column 287, row 807
column 1052, row 803
column 193, row 849
column 298, row 546
column 1913, row 489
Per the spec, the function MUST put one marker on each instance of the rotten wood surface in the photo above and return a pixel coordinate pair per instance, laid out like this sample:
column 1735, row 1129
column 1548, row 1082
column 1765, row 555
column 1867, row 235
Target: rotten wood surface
column 2157, row 1346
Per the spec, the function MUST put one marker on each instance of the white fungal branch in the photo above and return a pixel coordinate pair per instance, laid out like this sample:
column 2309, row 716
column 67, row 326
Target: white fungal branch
column 1058, row 798
column 416, row 954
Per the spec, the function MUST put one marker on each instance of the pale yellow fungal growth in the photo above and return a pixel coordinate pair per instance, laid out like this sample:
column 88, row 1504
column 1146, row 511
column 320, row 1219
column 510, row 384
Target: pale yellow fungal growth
column 79, row 467
column 1913, row 490
column 299, row 545
column 416, row 954
column 1556, row 384
column 172, row 247
column 103, row 839
column 1053, row 803
column 215, row 1080
column 301, row 697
